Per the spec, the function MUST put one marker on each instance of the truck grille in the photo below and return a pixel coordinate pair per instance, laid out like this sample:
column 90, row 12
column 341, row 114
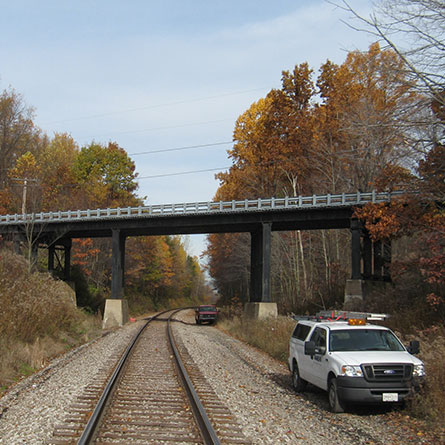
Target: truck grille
column 387, row 372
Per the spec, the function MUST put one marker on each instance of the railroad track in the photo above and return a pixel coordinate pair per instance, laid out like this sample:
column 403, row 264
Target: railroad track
column 155, row 394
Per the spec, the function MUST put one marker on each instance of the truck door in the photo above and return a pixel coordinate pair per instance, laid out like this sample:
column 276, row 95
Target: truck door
column 318, row 361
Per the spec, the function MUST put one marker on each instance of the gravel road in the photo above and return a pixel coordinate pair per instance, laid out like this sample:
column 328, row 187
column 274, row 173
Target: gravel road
column 256, row 388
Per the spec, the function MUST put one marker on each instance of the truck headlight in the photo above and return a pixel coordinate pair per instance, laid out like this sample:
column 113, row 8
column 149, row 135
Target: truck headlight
column 351, row 371
column 419, row 370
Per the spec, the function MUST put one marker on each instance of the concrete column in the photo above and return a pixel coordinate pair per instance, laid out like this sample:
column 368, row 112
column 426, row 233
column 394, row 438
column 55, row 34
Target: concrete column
column 260, row 263
column 117, row 268
column 355, row 250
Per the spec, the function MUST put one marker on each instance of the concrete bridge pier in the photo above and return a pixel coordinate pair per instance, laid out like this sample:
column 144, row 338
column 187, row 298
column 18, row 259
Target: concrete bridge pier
column 116, row 307
column 260, row 304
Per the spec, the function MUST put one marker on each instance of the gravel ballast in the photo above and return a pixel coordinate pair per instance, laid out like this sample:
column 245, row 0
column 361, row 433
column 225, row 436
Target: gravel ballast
column 256, row 389
column 31, row 409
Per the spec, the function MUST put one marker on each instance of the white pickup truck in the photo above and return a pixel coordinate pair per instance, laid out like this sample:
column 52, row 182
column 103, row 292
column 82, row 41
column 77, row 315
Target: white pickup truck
column 356, row 362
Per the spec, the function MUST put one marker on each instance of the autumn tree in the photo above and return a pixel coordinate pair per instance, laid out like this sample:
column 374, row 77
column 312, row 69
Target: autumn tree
column 362, row 122
column 338, row 133
column 160, row 274
column 60, row 188
column 39, row 173
column 272, row 141
column 413, row 30
column 18, row 133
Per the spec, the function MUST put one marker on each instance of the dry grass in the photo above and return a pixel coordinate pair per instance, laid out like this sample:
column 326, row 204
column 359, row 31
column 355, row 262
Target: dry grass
column 272, row 336
column 429, row 403
column 38, row 319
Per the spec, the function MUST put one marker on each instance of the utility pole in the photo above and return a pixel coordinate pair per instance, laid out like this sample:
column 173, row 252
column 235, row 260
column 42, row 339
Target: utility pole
column 25, row 190
column 25, row 184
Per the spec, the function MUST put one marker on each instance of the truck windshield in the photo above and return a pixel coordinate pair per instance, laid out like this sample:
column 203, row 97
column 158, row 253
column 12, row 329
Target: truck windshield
column 207, row 308
column 364, row 340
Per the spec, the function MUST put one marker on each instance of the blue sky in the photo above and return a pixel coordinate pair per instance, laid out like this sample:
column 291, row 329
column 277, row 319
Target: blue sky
column 157, row 75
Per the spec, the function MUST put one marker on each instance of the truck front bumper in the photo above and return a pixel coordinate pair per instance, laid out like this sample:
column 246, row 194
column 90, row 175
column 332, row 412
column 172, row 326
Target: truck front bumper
column 359, row 390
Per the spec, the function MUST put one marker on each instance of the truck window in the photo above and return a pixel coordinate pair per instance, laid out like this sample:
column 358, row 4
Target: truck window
column 207, row 308
column 301, row 331
column 319, row 338
column 364, row 340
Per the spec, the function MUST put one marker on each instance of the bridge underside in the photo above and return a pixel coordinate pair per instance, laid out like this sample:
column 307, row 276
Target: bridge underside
column 368, row 259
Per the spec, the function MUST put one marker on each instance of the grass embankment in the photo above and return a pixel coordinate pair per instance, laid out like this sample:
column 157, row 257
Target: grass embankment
column 272, row 336
column 38, row 319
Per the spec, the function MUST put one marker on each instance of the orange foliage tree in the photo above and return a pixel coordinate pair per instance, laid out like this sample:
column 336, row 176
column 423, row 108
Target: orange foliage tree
column 353, row 128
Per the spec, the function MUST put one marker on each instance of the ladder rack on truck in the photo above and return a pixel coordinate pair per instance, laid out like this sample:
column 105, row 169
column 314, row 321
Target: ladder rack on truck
column 338, row 315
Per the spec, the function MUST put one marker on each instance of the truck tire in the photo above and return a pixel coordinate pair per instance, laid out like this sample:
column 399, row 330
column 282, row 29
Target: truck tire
column 335, row 404
column 298, row 383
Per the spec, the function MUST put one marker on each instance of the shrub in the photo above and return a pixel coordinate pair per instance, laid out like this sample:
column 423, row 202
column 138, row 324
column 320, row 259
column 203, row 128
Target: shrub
column 429, row 403
column 38, row 318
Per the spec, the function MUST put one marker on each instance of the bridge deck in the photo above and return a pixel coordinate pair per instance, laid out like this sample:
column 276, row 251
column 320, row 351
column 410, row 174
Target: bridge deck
column 203, row 208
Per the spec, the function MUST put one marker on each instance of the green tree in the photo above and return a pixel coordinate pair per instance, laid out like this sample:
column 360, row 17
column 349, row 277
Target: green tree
column 107, row 175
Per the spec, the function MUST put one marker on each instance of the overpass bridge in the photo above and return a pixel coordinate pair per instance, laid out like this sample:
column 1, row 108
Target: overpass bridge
column 259, row 217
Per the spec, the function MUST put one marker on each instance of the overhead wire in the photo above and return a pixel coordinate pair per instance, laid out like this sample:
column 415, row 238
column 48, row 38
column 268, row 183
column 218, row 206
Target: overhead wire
column 182, row 173
column 187, row 147
column 148, row 107
column 167, row 127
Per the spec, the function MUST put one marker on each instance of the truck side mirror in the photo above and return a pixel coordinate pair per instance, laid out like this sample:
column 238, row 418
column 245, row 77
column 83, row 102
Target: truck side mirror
column 414, row 347
column 309, row 348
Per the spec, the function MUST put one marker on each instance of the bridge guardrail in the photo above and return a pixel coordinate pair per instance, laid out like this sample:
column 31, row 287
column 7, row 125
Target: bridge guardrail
column 191, row 208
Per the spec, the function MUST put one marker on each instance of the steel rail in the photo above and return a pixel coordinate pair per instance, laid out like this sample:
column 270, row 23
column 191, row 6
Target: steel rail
column 93, row 422
column 205, row 426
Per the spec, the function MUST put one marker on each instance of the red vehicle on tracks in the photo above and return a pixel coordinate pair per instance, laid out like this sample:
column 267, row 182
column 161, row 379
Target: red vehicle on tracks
column 206, row 313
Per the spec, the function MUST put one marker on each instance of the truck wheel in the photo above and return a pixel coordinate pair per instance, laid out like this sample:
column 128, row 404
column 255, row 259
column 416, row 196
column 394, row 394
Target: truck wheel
column 297, row 382
column 334, row 402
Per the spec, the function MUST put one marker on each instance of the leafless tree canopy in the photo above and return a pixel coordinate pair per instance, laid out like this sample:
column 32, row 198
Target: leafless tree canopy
column 415, row 30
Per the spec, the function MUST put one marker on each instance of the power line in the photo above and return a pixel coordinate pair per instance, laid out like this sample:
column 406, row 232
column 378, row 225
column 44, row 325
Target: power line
column 167, row 127
column 182, row 173
column 149, row 107
column 188, row 147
